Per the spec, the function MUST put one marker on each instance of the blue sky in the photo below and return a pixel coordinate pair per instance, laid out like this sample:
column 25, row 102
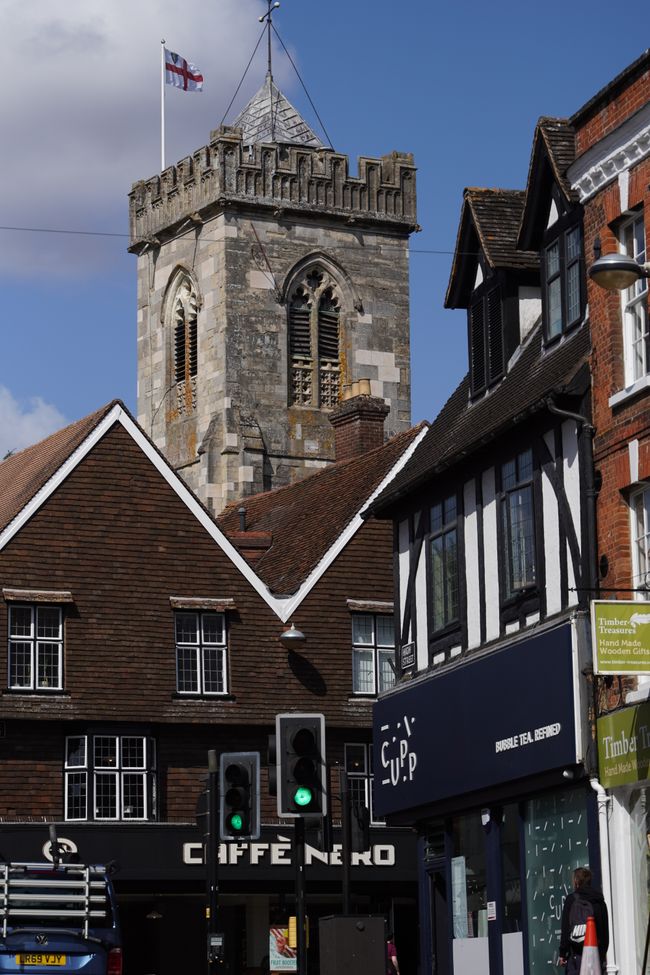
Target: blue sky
column 459, row 85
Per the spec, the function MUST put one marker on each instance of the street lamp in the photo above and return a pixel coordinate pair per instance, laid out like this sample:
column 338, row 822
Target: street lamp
column 292, row 638
column 616, row 272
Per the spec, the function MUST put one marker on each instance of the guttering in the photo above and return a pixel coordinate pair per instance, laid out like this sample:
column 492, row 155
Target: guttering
column 603, row 831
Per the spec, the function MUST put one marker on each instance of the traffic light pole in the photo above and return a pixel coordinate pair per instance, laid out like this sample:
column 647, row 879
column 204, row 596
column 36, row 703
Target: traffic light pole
column 211, row 855
column 346, row 844
column 301, row 919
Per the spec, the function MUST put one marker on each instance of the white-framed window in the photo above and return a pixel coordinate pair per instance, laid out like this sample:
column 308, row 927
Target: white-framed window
column 635, row 304
column 359, row 769
column 109, row 777
column 200, row 653
column 373, row 652
column 35, row 648
column 640, row 533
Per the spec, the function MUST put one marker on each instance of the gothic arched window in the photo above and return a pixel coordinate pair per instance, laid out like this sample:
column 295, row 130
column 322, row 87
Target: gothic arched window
column 314, row 341
column 184, row 317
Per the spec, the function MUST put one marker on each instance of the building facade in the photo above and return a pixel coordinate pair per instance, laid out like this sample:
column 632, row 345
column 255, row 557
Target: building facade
column 485, row 743
column 269, row 279
column 140, row 634
column 611, row 175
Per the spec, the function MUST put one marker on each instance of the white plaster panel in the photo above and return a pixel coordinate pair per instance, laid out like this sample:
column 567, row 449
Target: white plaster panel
column 491, row 550
column 551, row 521
column 572, row 489
column 530, row 309
column 552, row 214
column 403, row 571
column 472, row 578
column 421, row 603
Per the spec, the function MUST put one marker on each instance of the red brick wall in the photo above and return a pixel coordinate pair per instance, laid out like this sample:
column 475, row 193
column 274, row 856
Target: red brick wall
column 617, row 426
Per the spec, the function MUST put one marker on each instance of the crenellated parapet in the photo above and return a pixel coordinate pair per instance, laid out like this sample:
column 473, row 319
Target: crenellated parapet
column 284, row 178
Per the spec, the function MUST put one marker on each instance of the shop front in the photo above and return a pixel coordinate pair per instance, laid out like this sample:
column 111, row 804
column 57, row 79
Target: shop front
column 160, row 883
column 486, row 759
column 624, row 768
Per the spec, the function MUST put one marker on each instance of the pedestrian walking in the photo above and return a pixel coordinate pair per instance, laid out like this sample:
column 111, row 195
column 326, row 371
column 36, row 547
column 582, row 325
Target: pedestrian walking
column 391, row 955
column 582, row 903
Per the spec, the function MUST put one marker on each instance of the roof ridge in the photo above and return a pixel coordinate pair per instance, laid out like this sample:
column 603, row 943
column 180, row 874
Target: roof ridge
column 99, row 413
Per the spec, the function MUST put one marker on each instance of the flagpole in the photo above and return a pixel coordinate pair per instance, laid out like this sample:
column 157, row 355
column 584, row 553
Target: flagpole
column 162, row 105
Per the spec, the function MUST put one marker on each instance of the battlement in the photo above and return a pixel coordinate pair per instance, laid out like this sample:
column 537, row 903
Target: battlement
column 284, row 178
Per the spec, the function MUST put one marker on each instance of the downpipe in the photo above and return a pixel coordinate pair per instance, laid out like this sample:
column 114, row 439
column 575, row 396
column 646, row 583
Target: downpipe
column 604, row 802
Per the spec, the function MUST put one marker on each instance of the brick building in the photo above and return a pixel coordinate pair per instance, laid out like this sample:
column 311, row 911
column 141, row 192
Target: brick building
column 141, row 634
column 611, row 179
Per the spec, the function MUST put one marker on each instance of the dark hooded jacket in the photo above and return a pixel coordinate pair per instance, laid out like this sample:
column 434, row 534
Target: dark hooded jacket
column 599, row 906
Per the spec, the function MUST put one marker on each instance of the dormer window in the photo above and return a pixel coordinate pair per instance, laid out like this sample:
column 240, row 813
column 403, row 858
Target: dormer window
column 562, row 277
column 486, row 337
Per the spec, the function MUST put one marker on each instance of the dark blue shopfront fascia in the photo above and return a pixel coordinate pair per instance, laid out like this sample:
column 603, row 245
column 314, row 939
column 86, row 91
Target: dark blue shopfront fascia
column 503, row 716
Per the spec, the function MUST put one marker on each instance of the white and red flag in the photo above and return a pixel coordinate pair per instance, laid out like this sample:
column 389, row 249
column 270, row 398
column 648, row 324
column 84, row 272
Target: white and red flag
column 181, row 74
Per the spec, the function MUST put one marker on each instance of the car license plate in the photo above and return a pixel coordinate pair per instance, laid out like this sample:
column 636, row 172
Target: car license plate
column 40, row 959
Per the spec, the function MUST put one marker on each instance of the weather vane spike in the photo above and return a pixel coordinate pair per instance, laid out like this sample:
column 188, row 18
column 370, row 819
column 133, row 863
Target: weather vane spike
column 269, row 23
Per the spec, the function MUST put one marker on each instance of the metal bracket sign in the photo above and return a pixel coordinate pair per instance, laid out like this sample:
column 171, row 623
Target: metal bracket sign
column 407, row 656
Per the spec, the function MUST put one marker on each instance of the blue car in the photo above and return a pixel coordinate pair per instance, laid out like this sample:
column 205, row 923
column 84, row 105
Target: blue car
column 59, row 917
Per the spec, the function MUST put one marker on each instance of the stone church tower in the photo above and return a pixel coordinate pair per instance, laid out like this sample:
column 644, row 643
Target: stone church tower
column 269, row 279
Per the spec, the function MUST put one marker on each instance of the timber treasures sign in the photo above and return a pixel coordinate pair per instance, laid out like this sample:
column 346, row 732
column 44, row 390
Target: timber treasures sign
column 624, row 746
column 621, row 635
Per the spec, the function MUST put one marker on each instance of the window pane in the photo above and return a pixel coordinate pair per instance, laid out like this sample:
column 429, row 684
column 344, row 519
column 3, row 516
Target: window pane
column 363, row 671
column 187, row 672
column 76, row 795
column 552, row 260
column 357, row 790
column 450, row 510
column 451, row 576
column 213, row 673
column 20, row 621
column 436, row 518
column 525, row 463
column 76, row 752
column 573, row 244
column 554, row 308
column 213, row 629
column 355, row 759
column 573, row 292
column 385, row 631
column 636, row 320
column 105, row 751
column 641, row 535
column 48, row 664
column 509, row 475
column 469, row 878
column 20, row 667
column 133, row 785
column 386, row 674
column 48, row 623
column 362, row 628
column 106, row 795
column 187, row 627
column 132, row 752
column 522, row 558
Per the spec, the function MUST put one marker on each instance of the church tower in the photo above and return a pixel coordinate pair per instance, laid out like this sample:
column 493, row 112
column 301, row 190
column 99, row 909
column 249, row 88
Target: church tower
column 269, row 279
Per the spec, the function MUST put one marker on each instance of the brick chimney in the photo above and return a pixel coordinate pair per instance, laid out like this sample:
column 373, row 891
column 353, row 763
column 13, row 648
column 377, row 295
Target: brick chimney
column 358, row 421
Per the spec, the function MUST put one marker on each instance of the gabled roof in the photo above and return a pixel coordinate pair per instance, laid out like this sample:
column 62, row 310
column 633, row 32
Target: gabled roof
column 552, row 153
column 307, row 518
column 30, row 477
column 23, row 474
column 270, row 117
column 489, row 221
column 463, row 427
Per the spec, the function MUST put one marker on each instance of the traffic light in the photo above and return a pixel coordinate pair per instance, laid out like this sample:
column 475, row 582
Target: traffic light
column 239, row 796
column 272, row 762
column 301, row 765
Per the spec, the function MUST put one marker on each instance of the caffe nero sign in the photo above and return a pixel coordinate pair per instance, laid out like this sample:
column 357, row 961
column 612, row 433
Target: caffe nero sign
column 491, row 720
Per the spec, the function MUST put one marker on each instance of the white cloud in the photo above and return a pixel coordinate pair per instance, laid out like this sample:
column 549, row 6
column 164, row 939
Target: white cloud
column 81, row 118
column 25, row 423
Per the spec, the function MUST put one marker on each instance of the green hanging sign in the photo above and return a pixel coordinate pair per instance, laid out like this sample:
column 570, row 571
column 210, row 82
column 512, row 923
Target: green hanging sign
column 621, row 636
column 624, row 746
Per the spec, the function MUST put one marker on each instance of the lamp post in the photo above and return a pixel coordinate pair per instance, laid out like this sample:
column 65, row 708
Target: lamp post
column 616, row 272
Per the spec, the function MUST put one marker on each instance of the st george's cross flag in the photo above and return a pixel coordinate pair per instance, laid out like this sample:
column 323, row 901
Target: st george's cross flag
column 181, row 74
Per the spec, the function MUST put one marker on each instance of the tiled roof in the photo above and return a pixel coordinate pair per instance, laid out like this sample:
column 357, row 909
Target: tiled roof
column 559, row 139
column 463, row 426
column 553, row 147
column 23, row 474
column 495, row 216
column 270, row 117
column 306, row 518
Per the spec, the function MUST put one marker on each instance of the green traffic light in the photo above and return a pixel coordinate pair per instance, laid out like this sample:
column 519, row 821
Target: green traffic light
column 237, row 822
column 303, row 796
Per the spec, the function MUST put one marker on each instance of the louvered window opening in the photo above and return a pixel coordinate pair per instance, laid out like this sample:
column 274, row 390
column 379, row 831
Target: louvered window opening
column 185, row 341
column 314, row 343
